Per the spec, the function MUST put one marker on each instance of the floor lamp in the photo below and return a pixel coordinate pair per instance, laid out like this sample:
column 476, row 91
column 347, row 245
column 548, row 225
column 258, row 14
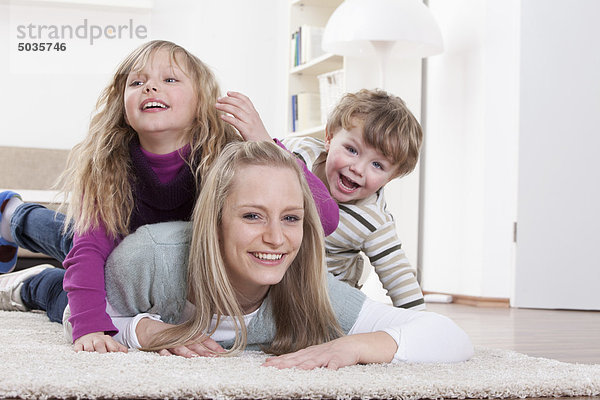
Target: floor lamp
column 383, row 29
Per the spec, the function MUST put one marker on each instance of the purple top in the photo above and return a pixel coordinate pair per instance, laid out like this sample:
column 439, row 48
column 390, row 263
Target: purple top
column 84, row 278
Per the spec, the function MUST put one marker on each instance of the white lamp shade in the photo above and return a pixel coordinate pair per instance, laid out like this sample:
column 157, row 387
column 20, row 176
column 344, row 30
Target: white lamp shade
column 355, row 24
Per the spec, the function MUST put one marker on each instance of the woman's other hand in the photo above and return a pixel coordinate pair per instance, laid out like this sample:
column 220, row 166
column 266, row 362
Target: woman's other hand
column 364, row 348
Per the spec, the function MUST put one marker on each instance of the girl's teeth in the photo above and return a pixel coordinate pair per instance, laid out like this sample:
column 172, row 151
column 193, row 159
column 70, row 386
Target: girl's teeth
column 154, row 104
column 268, row 256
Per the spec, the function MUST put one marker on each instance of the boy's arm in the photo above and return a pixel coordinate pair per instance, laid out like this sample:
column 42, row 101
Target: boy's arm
column 246, row 120
column 395, row 272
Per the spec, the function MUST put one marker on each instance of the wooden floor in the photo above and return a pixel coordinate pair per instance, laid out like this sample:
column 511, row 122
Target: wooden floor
column 570, row 336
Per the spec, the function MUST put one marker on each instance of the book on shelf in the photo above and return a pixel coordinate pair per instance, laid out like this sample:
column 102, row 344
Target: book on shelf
column 293, row 61
column 294, row 114
column 331, row 90
column 306, row 44
column 306, row 111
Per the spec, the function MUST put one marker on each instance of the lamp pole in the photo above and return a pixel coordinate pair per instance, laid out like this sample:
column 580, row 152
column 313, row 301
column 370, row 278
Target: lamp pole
column 383, row 50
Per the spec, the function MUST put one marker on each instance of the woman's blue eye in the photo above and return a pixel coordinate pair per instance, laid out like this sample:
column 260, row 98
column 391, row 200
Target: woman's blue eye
column 136, row 83
column 250, row 216
column 291, row 218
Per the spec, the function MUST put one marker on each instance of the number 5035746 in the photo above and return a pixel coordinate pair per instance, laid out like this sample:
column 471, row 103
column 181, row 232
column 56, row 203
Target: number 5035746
column 42, row 46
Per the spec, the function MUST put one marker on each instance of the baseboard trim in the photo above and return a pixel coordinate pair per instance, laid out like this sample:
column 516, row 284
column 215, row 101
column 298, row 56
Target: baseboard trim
column 476, row 301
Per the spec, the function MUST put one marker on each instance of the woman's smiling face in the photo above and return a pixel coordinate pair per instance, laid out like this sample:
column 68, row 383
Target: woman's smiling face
column 261, row 227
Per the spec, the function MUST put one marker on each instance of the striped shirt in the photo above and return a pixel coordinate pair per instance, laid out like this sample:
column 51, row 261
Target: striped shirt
column 365, row 226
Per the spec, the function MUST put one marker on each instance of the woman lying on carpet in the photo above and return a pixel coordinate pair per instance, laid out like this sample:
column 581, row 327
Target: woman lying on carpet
column 257, row 275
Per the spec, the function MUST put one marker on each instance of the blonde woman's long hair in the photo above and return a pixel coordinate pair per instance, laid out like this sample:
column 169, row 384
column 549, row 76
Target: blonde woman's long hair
column 97, row 176
column 302, row 312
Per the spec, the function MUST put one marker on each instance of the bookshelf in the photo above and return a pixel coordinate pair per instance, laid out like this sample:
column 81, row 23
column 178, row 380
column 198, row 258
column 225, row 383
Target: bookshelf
column 307, row 63
column 318, row 65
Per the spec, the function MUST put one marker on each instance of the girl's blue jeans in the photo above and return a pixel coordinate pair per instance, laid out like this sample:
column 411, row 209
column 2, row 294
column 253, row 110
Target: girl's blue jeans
column 39, row 229
column 44, row 291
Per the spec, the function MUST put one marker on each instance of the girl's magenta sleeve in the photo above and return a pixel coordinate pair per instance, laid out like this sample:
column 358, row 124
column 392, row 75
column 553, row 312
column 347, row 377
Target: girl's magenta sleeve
column 84, row 283
column 329, row 212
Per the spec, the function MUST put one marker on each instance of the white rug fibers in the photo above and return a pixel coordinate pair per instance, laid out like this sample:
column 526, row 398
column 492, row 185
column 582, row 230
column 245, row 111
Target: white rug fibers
column 37, row 362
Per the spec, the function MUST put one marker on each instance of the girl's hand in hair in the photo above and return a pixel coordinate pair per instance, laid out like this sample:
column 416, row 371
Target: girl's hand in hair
column 364, row 348
column 99, row 342
column 242, row 115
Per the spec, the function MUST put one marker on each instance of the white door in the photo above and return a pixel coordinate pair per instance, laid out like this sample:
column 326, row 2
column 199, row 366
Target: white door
column 558, row 236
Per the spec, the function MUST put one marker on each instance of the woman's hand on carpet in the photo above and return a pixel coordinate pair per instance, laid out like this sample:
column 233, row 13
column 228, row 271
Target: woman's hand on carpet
column 376, row 347
column 99, row 342
column 204, row 347
column 201, row 346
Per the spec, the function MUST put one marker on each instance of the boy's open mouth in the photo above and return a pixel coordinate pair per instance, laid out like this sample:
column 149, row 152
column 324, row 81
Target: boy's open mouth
column 348, row 184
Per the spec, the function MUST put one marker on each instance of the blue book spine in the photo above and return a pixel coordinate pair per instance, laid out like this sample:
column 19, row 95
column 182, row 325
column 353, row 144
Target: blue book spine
column 294, row 111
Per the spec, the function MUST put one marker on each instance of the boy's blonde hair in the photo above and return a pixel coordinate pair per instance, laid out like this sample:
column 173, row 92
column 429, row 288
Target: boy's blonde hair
column 300, row 303
column 388, row 125
column 98, row 174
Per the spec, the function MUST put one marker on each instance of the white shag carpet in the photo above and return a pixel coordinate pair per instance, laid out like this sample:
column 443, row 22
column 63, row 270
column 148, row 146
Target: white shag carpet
column 37, row 362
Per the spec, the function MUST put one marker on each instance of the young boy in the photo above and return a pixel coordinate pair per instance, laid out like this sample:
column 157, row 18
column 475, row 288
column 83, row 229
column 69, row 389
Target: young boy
column 371, row 138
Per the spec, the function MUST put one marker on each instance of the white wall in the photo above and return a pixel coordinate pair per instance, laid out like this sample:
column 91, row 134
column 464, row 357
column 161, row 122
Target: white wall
column 245, row 42
column 47, row 102
column 471, row 149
